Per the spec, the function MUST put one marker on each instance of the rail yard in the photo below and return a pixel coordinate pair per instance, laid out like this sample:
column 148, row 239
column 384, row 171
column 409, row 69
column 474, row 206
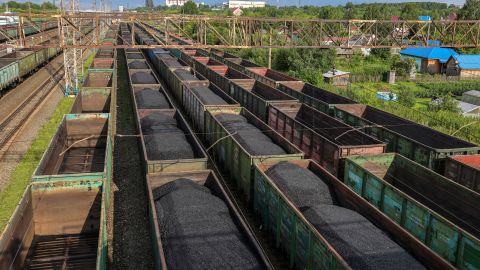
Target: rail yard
column 177, row 154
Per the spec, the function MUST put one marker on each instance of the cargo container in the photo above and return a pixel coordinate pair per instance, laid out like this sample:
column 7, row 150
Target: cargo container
column 79, row 150
column 208, row 179
column 57, row 225
column 103, row 64
column 240, row 64
column 198, row 99
column 313, row 96
column 223, row 76
column 138, row 65
column 8, row 73
column 464, row 170
column 305, row 247
column 142, row 77
column 99, row 80
column 414, row 141
column 203, row 64
column 178, row 78
column 151, row 97
column 187, row 55
column 256, row 97
column 92, row 101
column 322, row 138
column 152, row 123
column 220, row 55
column 268, row 76
column 26, row 61
column 437, row 211
column 232, row 156
column 105, row 53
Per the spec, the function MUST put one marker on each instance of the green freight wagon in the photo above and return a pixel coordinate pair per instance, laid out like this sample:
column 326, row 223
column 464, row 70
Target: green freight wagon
column 204, row 65
column 79, row 150
column 464, row 170
column 414, row 141
column 8, row 73
column 269, row 77
column 148, row 128
column 26, row 61
column 232, row 157
column 437, row 211
column 223, row 76
column 321, row 137
column 240, row 64
column 94, row 100
column 195, row 105
column 256, row 97
column 313, row 96
column 304, row 244
column 209, row 180
column 179, row 78
column 57, row 223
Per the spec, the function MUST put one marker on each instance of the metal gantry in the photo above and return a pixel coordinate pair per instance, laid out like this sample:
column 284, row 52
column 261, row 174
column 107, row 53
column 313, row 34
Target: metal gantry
column 260, row 32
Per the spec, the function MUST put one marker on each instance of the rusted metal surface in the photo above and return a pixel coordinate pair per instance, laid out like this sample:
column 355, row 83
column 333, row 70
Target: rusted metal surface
column 464, row 170
column 77, row 149
column 54, row 225
column 92, row 101
column 98, row 79
column 253, row 32
column 321, row 137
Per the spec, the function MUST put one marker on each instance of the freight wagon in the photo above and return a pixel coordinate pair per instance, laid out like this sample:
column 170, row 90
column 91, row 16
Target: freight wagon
column 269, row 77
column 437, row 211
column 198, row 99
column 187, row 55
column 163, row 253
column 57, row 225
column 256, row 97
column 178, row 79
column 304, row 245
column 313, row 96
column 92, row 101
column 419, row 143
column 168, row 143
column 238, row 140
column 224, row 76
column 203, row 65
column 464, row 170
column 80, row 150
column 321, row 137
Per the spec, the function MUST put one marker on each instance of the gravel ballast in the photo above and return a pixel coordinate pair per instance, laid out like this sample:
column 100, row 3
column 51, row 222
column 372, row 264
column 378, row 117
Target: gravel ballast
column 301, row 185
column 250, row 137
column 207, row 96
column 143, row 78
column 357, row 240
column 163, row 139
column 197, row 230
column 152, row 99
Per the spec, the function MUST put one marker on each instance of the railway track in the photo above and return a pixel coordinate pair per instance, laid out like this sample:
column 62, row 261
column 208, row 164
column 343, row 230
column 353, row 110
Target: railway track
column 10, row 125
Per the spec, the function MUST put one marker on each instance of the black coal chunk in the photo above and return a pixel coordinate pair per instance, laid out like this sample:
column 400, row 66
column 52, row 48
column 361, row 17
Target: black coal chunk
column 207, row 96
column 151, row 99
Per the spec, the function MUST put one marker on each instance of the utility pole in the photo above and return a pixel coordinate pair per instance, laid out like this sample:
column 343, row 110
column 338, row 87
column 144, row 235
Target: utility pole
column 72, row 57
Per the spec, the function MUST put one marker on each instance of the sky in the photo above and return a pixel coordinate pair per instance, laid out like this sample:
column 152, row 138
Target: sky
column 137, row 3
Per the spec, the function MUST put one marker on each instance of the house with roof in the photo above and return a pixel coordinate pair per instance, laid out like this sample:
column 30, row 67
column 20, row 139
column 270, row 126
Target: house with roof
column 429, row 60
column 466, row 66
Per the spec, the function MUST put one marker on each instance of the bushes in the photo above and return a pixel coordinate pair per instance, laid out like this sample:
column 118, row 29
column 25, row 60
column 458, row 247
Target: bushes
column 456, row 88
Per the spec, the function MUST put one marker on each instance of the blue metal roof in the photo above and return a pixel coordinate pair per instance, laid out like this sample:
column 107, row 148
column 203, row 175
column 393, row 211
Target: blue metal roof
column 442, row 54
column 467, row 61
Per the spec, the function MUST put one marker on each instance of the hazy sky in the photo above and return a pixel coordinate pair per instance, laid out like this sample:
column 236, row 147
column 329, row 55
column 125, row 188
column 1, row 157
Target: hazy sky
column 136, row 3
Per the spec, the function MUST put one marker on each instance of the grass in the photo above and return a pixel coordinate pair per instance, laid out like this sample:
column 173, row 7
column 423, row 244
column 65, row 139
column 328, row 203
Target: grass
column 20, row 178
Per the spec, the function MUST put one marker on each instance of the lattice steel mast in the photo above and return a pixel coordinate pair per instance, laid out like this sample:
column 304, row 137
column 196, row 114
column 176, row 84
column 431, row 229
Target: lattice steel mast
column 72, row 57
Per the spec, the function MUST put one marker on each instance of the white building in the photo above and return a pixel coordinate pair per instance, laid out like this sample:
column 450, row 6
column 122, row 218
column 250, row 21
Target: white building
column 245, row 4
column 170, row 3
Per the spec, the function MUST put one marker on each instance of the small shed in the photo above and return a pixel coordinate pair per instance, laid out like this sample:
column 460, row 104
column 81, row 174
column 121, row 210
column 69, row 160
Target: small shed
column 337, row 77
column 468, row 109
column 472, row 97
column 429, row 60
column 467, row 66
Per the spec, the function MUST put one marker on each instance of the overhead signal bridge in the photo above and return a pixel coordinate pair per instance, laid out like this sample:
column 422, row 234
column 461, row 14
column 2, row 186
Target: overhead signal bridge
column 260, row 32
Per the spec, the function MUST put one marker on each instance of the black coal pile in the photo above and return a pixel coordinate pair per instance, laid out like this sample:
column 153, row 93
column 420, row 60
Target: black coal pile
column 197, row 230
column 301, row 185
column 151, row 99
column 138, row 65
column 185, row 75
column 207, row 96
column 135, row 56
column 163, row 139
column 357, row 240
column 143, row 78
column 250, row 137
column 132, row 50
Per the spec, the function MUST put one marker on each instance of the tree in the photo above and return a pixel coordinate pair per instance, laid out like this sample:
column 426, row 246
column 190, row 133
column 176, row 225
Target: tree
column 471, row 10
column 403, row 66
column 373, row 12
column 331, row 13
column 350, row 11
column 409, row 11
column 383, row 53
column 190, row 8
